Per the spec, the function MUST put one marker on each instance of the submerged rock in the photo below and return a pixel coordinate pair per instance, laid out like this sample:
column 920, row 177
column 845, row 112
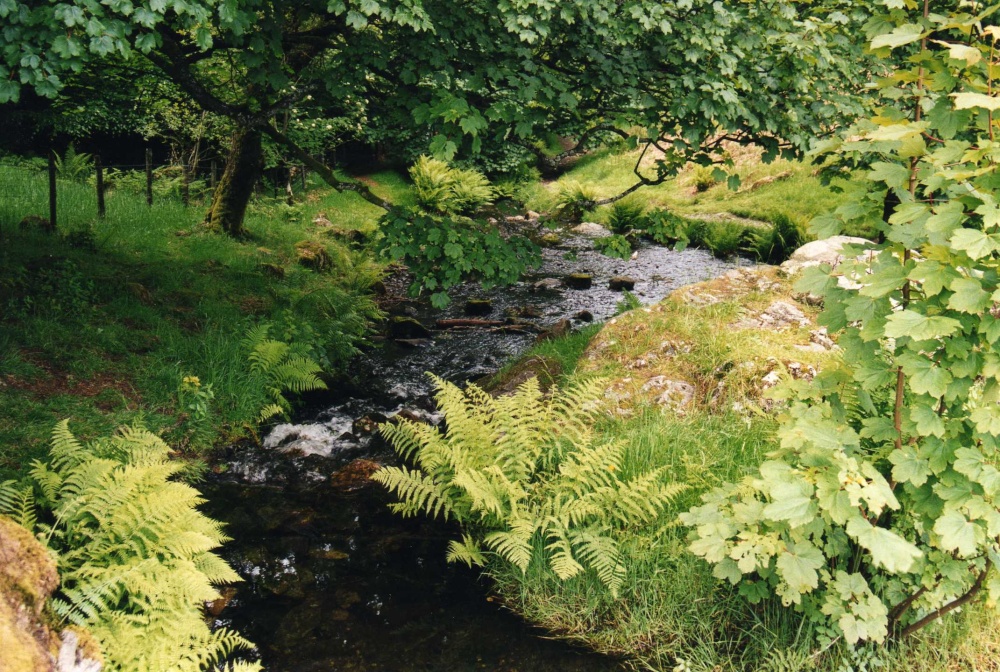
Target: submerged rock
column 621, row 283
column 407, row 328
column 579, row 280
column 478, row 307
column 584, row 316
column 547, row 284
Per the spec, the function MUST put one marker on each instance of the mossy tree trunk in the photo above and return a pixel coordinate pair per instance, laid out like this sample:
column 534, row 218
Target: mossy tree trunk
column 235, row 187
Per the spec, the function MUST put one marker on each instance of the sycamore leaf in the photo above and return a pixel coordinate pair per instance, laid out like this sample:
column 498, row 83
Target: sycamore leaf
column 957, row 533
column 798, row 567
column 977, row 244
column 905, row 34
column 968, row 100
column 969, row 296
column 920, row 327
column 887, row 548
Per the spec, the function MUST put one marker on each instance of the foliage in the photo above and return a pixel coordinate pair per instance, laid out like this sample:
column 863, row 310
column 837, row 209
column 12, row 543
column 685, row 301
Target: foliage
column 775, row 244
column 629, row 302
column 626, row 215
column 573, row 200
column 134, row 553
column 615, row 246
column 724, row 239
column 704, row 178
column 443, row 189
column 281, row 369
column 666, row 228
column 195, row 402
column 878, row 512
column 525, row 476
column 73, row 165
column 443, row 250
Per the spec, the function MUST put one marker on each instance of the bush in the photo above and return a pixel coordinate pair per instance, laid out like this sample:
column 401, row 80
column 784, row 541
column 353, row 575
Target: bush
column 626, row 215
column 574, row 199
column 724, row 239
column 703, row 178
column 135, row 554
column 615, row 246
column 443, row 189
column 775, row 245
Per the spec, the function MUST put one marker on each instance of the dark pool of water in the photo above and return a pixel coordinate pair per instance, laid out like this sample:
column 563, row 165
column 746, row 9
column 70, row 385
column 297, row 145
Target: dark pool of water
column 333, row 580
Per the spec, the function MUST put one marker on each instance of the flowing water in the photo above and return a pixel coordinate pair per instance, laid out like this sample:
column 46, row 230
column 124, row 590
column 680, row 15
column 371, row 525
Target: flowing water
column 333, row 580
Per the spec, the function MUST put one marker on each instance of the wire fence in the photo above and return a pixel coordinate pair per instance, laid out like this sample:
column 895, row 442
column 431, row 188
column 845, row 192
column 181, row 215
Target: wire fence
column 185, row 179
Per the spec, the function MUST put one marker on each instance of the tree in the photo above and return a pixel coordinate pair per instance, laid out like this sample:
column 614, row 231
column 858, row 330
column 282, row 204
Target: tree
column 880, row 511
column 692, row 74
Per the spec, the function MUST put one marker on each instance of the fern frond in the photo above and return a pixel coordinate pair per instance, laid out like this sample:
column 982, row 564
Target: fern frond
column 18, row 503
column 269, row 411
column 466, row 551
column 600, row 553
column 513, row 545
column 420, row 492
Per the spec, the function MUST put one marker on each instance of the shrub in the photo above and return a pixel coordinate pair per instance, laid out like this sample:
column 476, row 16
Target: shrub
column 704, row 178
column 615, row 246
column 775, row 245
column 135, row 554
column 666, row 228
column 524, row 476
column 879, row 511
column 73, row 165
column 443, row 189
column 626, row 215
column 724, row 239
column 573, row 200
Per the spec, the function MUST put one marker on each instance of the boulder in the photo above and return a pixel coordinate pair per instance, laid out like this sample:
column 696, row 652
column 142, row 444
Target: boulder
column 584, row 316
column 827, row 251
column 545, row 369
column 407, row 328
column 557, row 330
column 591, row 230
column 313, row 255
column 621, row 283
column 478, row 307
column 579, row 280
column 547, row 284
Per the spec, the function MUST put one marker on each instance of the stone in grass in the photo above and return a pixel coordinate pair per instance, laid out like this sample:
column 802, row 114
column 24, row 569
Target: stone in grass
column 274, row 270
column 407, row 328
column 37, row 222
column 557, row 330
column 314, row 255
column 478, row 307
column 621, row 283
column 579, row 280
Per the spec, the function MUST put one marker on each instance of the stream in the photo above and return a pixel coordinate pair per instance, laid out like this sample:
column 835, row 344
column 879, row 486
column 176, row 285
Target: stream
column 333, row 580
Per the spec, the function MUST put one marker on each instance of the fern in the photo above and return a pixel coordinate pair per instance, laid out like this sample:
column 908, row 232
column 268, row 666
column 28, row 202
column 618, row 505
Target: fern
column 135, row 554
column 441, row 188
column 280, row 370
column 525, row 474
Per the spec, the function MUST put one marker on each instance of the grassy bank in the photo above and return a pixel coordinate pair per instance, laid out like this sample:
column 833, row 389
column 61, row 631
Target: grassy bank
column 103, row 320
column 672, row 613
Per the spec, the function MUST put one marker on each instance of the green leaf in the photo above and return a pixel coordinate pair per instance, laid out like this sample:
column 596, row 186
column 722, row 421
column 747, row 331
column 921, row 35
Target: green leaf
column 792, row 502
column 798, row 566
column 977, row 244
column 908, row 467
column 888, row 549
column 958, row 534
column 900, row 35
column 920, row 327
column 893, row 174
column 969, row 296
column 968, row 100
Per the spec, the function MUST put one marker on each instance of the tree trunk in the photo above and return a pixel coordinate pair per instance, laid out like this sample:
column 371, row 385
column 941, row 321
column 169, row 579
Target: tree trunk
column 235, row 187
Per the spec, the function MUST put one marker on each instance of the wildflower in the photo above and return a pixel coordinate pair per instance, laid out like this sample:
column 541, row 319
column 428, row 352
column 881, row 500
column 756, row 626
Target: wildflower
column 193, row 381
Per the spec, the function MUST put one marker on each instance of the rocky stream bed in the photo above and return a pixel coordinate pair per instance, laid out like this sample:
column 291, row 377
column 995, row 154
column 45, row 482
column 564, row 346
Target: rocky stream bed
column 333, row 580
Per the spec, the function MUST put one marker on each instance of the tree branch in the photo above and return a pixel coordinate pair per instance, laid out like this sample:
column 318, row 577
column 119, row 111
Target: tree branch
column 951, row 606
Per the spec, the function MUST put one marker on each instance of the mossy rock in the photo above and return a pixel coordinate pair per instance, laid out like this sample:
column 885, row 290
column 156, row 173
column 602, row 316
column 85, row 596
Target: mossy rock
column 407, row 328
column 546, row 369
column 274, row 270
column 478, row 307
column 621, row 283
column 579, row 281
column 314, row 255
column 37, row 222
column 27, row 578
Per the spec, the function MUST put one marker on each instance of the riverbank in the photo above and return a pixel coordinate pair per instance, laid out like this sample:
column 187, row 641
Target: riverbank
column 143, row 316
column 693, row 386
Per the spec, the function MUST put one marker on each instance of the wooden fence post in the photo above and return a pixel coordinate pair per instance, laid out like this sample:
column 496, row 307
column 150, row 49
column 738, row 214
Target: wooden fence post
column 52, row 190
column 149, row 176
column 100, row 186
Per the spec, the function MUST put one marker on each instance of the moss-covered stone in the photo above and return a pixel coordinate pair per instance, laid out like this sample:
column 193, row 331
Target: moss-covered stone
column 546, row 369
column 314, row 255
column 27, row 578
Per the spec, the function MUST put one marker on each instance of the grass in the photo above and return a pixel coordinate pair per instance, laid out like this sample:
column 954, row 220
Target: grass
column 102, row 320
column 768, row 191
column 672, row 614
